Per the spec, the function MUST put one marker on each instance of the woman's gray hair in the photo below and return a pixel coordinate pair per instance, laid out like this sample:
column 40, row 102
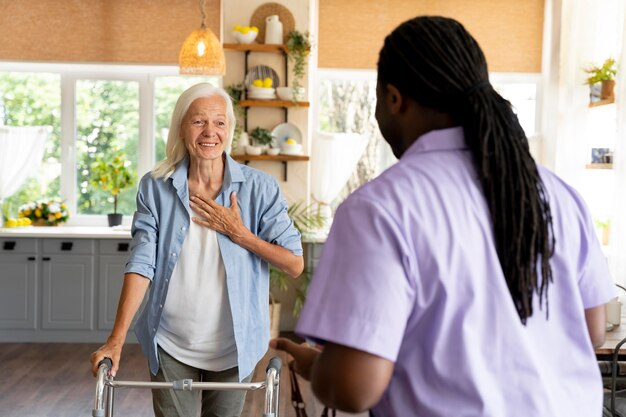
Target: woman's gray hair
column 175, row 149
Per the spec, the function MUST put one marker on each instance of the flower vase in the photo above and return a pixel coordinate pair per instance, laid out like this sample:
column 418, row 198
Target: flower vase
column 40, row 223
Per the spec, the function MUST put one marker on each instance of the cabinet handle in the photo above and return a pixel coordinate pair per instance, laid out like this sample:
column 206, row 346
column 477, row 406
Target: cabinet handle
column 9, row 245
column 31, row 258
column 45, row 258
column 122, row 247
column 66, row 246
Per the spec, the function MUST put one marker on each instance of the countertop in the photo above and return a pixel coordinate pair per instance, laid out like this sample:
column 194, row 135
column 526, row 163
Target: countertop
column 96, row 232
column 76, row 232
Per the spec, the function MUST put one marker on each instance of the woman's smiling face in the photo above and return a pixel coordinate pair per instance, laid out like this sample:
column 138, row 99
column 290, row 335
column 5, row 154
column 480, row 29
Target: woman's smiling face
column 205, row 128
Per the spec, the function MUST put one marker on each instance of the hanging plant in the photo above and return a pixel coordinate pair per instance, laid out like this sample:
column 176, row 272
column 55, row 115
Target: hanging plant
column 298, row 48
column 235, row 91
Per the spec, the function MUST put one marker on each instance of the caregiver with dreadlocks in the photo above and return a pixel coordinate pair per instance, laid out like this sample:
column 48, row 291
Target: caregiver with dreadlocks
column 464, row 280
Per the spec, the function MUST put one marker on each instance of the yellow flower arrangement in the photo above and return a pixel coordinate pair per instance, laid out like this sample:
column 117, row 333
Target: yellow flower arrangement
column 48, row 212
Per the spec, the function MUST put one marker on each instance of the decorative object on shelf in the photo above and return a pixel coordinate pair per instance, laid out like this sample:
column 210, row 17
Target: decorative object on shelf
column 261, row 72
column 235, row 91
column 601, row 81
column 202, row 52
column 298, row 48
column 45, row 212
column 113, row 175
column 601, row 156
column 273, row 30
column 272, row 151
column 260, row 15
column 289, row 138
column 287, row 93
column 253, row 150
column 261, row 137
column 245, row 34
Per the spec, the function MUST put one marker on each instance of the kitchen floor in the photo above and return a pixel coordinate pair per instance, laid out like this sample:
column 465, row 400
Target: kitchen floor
column 54, row 379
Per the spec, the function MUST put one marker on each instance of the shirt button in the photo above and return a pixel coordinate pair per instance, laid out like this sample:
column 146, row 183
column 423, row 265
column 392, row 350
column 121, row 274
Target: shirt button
column 174, row 254
column 154, row 329
column 160, row 305
column 183, row 228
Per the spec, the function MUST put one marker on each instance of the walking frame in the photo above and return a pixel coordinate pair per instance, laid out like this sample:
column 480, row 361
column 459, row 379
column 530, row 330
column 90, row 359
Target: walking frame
column 105, row 386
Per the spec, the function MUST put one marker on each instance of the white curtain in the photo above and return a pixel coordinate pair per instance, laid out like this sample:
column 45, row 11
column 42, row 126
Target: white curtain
column 333, row 159
column 21, row 153
column 589, row 34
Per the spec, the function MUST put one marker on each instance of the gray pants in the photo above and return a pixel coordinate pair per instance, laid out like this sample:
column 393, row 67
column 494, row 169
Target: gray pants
column 170, row 403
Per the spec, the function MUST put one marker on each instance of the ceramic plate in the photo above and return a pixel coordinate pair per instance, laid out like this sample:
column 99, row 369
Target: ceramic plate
column 284, row 131
column 260, row 72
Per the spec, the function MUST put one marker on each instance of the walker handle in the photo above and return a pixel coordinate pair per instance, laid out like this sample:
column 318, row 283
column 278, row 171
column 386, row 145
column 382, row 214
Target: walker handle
column 106, row 361
column 275, row 363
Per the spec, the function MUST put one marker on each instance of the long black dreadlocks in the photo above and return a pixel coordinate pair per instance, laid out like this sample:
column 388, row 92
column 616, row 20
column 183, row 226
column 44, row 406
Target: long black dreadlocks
column 436, row 62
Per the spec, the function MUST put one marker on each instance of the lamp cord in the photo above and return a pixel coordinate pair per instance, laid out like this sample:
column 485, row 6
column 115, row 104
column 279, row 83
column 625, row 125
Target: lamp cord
column 202, row 23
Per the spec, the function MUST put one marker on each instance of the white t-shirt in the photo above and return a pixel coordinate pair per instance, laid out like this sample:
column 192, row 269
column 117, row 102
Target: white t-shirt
column 197, row 325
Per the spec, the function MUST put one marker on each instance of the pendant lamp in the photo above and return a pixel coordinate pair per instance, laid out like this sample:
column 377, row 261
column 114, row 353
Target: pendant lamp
column 202, row 52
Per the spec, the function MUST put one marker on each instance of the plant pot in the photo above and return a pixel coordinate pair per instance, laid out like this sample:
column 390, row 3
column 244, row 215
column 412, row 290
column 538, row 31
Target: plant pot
column 114, row 219
column 274, row 318
column 608, row 89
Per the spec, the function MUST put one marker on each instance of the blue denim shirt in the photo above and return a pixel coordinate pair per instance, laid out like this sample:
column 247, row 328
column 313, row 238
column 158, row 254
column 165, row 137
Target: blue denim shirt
column 160, row 226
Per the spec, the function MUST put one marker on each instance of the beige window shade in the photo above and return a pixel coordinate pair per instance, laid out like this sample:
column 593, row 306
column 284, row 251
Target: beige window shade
column 113, row 31
column 351, row 32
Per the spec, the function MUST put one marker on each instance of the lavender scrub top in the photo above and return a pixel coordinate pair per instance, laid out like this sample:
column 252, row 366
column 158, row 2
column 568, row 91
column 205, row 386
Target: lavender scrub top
column 410, row 273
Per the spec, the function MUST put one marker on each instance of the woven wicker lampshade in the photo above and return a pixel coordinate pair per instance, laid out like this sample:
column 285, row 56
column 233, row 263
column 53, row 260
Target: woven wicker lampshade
column 202, row 52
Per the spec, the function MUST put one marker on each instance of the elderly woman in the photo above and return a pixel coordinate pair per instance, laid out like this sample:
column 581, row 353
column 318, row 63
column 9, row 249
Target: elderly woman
column 204, row 232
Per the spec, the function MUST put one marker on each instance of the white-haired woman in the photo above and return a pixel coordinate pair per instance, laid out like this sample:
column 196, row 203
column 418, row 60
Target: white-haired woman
column 204, row 232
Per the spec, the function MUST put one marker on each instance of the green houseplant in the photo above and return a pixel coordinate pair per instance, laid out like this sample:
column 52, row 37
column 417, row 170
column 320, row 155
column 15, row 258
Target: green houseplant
column 604, row 74
column 261, row 136
column 298, row 48
column 305, row 218
column 115, row 176
column 235, row 91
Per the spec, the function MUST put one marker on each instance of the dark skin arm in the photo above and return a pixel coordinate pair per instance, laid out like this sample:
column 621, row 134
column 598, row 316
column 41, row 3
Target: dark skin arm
column 596, row 324
column 341, row 377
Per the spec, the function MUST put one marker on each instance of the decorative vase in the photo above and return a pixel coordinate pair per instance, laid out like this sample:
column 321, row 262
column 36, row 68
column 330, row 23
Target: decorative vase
column 608, row 88
column 40, row 222
column 273, row 30
column 114, row 219
column 244, row 140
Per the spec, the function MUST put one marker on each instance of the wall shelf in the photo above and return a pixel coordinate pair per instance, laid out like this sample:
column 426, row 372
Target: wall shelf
column 273, row 103
column 274, row 158
column 599, row 166
column 255, row 47
column 602, row 102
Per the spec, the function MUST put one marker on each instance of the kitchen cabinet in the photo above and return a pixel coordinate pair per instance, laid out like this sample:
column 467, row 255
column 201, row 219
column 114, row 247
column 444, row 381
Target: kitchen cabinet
column 18, row 279
column 67, row 284
column 60, row 289
column 285, row 105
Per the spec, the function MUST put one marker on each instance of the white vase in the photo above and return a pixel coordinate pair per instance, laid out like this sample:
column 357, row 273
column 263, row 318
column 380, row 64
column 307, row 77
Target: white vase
column 273, row 30
column 243, row 141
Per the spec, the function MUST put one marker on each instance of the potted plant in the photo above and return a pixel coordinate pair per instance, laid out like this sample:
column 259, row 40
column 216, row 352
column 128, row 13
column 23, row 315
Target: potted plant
column 115, row 176
column 261, row 137
column 605, row 75
column 305, row 219
column 235, row 91
column 298, row 47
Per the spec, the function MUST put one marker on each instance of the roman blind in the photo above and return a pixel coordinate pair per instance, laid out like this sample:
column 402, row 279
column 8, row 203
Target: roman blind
column 109, row 31
column 351, row 32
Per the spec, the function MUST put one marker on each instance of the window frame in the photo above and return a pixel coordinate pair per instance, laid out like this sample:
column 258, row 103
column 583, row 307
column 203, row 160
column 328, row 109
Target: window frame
column 144, row 75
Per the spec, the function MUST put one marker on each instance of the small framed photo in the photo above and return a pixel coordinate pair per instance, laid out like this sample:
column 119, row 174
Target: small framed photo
column 600, row 155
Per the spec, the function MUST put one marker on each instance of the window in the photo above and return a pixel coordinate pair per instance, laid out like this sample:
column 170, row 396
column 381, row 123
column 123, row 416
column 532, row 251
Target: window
column 93, row 110
column 34, row 99
column 347, row 101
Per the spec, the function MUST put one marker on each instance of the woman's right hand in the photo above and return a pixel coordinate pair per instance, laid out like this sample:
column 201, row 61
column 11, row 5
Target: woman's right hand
column 112, row 349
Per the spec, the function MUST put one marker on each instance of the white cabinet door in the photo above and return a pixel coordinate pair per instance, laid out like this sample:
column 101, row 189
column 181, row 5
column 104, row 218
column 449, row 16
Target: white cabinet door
column 18, row 290
column 68, row 291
